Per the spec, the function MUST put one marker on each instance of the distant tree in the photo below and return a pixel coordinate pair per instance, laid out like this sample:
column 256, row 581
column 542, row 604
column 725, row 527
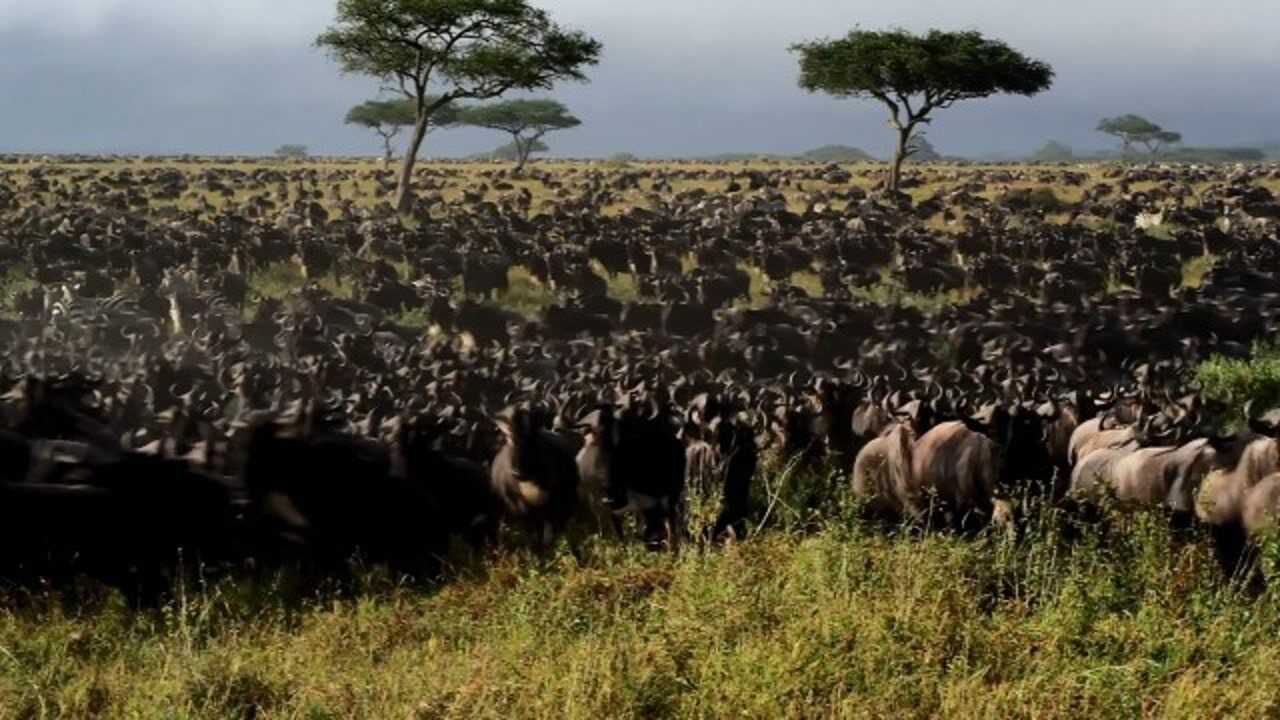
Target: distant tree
column 1214, row 154
column 476, row 49
column 292, row 152
column 922, row 150
column 1053, row 151
column 388, row 117
column 1134, row 129
column 914, row 75
column 527, row 121
column 511, row 151
column 837, row 153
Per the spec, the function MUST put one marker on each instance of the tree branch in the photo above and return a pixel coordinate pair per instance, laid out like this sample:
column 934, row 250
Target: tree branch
column 893, row 108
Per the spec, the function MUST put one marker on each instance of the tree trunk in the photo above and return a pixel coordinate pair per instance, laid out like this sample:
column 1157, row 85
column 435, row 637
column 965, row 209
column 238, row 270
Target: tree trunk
column 522, row 154
column 387, row 152
column 404, row 189
column 899, row 157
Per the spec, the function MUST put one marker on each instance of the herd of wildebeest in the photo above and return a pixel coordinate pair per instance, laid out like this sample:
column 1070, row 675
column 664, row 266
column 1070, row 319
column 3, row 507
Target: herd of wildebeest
column 955, row 350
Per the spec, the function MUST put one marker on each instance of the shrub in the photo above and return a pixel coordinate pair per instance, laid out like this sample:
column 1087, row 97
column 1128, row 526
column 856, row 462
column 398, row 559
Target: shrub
column 1234, row 382
column 292, row 152
column 1042, row 199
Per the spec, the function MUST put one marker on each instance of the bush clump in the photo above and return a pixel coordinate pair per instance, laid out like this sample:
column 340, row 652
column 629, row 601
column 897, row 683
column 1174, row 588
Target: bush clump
column 1233, row 382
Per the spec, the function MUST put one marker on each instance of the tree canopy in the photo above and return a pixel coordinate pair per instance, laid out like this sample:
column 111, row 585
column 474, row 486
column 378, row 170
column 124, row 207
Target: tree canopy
column 1136, row 130
column 380, row 114
column 388, row 117
column 292, row 152
column 466, row 49
column 837, row 153
column 922, row 150
column 511, row 151
column 1053, row 151
column 526, row 120
column 914, row 75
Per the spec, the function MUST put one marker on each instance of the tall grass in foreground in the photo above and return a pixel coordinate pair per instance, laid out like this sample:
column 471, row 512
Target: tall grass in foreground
column 806, row 618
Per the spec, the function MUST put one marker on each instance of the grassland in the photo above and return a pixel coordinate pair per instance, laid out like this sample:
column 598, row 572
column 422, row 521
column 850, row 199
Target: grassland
column 526, row 295
column 817, row 614
column 827, row 619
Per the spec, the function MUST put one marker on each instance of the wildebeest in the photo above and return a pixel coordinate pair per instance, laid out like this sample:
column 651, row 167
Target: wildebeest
column 324, row 498
column 126, row 519
column 534, row 473
column 882, row 474
column 1165, row 477
column 634, row 461
column 721, row 454
column 963, row 466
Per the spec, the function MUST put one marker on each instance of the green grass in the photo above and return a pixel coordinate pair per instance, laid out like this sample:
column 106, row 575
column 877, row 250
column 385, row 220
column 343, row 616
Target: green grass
column 842, row 621
column 15, row 280
column 1234, row 382
column 526, row 295
column 1193, row 271
column 816, row 614
column 279, row 279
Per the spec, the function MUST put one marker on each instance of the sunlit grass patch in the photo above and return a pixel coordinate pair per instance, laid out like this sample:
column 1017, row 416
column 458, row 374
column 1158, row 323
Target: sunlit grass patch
column 526, row 295
column 15, row 280
column 279, row 279
column 1193, row 271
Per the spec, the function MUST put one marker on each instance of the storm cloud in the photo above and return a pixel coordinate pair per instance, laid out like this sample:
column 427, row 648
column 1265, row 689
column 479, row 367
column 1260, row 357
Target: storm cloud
column 678, row 78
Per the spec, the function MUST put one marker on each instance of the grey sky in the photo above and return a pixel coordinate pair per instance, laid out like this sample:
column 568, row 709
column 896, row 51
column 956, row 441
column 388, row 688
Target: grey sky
column 679, row 77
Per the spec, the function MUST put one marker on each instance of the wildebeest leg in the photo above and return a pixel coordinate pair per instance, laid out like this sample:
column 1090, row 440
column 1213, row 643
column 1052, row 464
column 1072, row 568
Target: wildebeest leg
column 732, row 517
column 1231, row 549
column 659, row 528
column 482, row 533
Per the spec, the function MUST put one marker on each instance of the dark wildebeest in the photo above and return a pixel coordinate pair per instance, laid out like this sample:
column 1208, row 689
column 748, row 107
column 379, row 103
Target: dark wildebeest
column 721, row 452
column 534, row 473
column 633, row 460
column 126, row 519
column 461, row 487
column 327, row 497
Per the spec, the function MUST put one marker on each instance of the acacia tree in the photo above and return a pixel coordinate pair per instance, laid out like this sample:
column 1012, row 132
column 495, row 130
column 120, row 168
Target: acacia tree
column 292, row 152
column 914, row 75
column 510, row 152
column 1131, row 129
column 1053, row 151
column 388, row 117
column 526, row 120
column 922, row 150
column 476, row 49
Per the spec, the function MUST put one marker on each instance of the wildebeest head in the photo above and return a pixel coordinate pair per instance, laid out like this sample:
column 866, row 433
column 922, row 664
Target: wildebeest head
column 1020, row 436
